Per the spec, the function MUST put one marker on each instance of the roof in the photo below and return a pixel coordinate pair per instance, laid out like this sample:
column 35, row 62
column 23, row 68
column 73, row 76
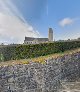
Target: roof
column 39, row 39
column 29, row 38
column 42, row 39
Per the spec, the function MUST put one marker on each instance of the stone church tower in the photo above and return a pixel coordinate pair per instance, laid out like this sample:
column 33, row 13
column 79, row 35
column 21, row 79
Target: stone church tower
column 50, row 34
column 32, row 40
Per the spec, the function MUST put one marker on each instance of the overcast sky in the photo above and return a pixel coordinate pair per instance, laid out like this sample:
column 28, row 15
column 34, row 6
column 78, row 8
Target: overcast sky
column 32, row 18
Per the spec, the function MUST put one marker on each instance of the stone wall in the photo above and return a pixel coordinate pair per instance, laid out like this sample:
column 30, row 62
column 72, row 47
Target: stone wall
column 36, row 77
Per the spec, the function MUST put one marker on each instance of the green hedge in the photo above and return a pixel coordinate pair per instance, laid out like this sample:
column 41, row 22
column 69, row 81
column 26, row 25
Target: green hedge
column 30, row 51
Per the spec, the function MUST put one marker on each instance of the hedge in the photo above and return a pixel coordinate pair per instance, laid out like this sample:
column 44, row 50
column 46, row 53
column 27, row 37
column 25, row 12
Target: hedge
column 30, row 51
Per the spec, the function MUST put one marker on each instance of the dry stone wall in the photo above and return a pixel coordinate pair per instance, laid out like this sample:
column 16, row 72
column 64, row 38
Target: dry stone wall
column 36, row 77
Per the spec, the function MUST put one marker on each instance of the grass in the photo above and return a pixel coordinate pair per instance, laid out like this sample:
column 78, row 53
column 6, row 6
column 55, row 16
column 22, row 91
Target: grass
column 41, row 59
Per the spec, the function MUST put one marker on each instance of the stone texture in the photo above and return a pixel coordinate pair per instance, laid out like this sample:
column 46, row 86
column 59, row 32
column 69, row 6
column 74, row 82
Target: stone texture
column 36, row 77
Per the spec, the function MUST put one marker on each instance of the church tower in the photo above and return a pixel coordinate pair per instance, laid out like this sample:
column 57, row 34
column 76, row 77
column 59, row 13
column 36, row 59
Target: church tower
column 50, row 34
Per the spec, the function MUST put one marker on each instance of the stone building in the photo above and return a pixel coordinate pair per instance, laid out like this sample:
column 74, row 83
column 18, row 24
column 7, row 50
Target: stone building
column 50, row 34
column 31, row 40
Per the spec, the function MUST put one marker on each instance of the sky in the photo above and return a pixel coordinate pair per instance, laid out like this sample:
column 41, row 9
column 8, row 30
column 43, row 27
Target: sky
column 32, row 18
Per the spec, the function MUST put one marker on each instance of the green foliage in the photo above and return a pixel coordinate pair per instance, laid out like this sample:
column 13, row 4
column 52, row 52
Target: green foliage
column 1, row 57
column 36, row 50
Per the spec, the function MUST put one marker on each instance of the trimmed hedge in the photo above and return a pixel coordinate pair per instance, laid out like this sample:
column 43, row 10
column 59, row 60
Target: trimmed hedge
column 36, row 50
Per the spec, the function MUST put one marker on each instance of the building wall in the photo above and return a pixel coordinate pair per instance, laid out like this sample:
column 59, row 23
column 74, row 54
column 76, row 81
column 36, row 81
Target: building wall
column 31, row 42
column 28, row 42
column 34, row 42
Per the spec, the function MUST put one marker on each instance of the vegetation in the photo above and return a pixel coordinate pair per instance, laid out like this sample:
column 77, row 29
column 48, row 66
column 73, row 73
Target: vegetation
column 30, row 51
column 40, row 59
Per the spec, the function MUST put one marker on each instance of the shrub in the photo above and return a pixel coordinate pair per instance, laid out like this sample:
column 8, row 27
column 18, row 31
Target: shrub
column 30, row 51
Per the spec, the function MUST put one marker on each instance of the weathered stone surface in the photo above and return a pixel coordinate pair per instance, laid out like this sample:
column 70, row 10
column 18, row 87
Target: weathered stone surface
column 36, row 77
